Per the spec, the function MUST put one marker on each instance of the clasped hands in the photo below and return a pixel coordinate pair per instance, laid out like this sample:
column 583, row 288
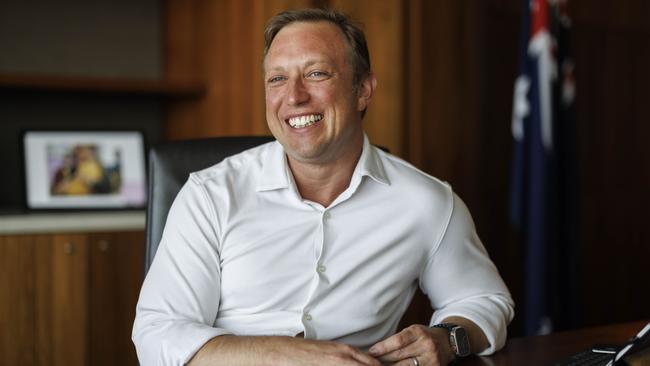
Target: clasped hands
column 430, row 346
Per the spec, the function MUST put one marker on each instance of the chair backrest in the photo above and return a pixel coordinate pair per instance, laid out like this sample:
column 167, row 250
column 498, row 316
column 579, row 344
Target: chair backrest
column 169, row 167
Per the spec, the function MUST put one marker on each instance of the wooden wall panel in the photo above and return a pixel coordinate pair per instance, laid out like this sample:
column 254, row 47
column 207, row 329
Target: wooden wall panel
column 612, row 54
column 181, row 50
column 488, row 198
column 382, row 21
column 17, row 300
column 224, row 49
column 445, row 128
column 116, row 273
column 412, row 70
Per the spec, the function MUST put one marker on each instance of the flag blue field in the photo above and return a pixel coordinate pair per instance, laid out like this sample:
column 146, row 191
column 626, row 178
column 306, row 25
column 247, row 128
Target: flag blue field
column 543, row 169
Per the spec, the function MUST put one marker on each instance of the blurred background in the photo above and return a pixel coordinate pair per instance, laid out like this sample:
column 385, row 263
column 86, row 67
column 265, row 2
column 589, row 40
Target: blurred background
column 446, row 69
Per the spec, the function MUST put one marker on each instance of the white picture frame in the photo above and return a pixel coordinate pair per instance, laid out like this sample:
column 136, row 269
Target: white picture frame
column 84, row 169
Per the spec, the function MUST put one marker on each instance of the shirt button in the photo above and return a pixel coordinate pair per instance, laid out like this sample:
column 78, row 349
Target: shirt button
column 322, row 269
column 307, row 317
column 327, row 215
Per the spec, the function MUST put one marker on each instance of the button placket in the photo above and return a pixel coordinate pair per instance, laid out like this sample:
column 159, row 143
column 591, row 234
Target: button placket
column 320, row 279
column 320, row 267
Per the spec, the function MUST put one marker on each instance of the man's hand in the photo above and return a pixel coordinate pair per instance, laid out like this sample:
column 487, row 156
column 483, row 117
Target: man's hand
column 276, row 350
column 430, row 346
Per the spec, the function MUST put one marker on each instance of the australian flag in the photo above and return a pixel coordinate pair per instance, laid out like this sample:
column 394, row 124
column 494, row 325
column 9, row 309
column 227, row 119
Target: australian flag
column 543, row 173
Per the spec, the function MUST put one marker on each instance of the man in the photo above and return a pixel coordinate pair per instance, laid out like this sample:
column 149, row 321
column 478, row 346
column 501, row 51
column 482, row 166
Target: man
column 308, row 250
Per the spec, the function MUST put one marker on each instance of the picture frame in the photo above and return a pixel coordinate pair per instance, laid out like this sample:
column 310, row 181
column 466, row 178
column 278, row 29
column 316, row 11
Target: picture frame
column 84, row 169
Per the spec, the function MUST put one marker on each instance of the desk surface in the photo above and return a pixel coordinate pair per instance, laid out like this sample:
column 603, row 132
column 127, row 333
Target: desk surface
column 548, row 349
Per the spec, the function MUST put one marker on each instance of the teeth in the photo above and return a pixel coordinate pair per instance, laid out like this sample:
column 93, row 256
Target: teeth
column 304, row 121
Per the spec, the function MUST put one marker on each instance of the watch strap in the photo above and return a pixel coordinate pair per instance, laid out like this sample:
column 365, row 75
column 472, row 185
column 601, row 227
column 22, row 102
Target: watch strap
column 460, row 350
column 448, row 326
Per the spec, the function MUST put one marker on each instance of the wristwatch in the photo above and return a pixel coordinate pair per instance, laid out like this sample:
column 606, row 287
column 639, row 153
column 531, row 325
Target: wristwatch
column 457, row 338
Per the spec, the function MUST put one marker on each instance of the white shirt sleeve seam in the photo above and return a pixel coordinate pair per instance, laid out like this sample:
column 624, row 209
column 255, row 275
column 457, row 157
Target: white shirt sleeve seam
column 211, row 208
column 443, row 232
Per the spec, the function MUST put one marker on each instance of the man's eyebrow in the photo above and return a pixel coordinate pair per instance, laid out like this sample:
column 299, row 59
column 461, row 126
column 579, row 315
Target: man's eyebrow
column 314, row 62
column 307, row 64
column 273, row 69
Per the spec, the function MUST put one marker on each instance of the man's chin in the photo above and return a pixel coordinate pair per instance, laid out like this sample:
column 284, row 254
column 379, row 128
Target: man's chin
column 307, row 155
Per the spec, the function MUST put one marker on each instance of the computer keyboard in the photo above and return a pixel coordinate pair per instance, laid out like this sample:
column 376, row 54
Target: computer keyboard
column 587, row 358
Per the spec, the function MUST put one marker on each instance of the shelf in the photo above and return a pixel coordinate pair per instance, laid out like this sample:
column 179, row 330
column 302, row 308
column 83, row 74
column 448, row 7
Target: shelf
column 173, row 89
column 38, row 223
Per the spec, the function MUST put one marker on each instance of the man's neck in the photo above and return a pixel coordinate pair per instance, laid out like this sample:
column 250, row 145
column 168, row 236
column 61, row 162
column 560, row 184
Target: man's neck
column 323, row 183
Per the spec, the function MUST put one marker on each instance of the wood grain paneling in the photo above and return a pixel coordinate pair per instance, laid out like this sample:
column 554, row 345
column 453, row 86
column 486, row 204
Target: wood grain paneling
column 612, row 54
column 181, row 63
column 17, row 300
column 412, row 70
column 69, row 292
column 116, row 273
column 44, row 300
column 382, row 22
column 499, row 34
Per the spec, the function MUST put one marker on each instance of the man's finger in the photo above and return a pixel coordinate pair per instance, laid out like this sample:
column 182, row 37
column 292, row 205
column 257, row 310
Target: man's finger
column 356, row 355
column 408, row 351
column 393, row 343
column 408, row 362
column 366, row 359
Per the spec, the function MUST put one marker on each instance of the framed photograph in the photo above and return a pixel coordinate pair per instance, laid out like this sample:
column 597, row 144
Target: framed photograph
column 84, row 170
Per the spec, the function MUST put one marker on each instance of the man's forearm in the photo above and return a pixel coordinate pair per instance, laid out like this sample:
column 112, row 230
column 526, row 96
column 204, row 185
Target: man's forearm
column 228, row 350
column 277, row 350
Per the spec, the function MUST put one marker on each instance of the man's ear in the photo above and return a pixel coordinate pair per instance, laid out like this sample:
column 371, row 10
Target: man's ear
column 365, row 91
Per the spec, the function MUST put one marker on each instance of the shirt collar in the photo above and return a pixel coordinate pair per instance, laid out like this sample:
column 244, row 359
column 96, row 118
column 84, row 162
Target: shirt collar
column 276, row 175
column 370, row 163
column 275, row 170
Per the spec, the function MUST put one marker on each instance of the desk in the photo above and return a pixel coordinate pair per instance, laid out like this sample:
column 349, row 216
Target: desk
column 548, row 349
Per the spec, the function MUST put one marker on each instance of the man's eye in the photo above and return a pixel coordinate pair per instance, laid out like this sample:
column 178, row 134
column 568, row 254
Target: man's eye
column 318, row 74
column 275, row 79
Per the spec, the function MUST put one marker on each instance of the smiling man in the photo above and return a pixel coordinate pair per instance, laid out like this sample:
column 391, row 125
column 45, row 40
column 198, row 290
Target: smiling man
column 308, row 250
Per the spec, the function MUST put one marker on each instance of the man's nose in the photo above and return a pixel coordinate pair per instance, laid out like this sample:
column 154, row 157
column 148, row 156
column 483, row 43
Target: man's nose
column 297, row 93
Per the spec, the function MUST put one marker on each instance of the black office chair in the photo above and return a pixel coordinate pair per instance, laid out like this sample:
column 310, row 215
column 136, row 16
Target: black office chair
column 169, row 167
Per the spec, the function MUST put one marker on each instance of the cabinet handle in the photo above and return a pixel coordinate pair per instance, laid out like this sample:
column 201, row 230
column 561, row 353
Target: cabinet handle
column 68, row 248
column 103, row 245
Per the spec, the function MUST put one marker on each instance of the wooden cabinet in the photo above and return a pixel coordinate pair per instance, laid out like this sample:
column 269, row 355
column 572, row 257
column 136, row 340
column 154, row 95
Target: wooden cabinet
column 69, row 299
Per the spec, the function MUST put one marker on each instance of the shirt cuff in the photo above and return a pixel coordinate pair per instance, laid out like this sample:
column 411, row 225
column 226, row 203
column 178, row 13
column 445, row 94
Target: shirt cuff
column 174, row 344
column 491, row 321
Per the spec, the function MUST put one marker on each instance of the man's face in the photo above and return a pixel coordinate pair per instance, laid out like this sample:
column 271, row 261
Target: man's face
column 312, row 108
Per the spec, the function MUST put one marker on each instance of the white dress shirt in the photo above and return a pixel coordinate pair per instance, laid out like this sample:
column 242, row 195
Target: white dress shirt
column 242, row 253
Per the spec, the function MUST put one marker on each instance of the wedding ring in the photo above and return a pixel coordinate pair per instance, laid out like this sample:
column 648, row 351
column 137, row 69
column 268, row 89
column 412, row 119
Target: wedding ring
column 415, row 361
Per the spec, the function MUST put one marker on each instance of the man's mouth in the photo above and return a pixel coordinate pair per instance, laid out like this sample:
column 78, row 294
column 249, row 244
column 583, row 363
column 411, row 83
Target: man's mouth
column 304, row 121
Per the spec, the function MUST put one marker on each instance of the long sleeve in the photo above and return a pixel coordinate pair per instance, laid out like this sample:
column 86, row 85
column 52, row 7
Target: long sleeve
column 461, row 280
column 180, row 296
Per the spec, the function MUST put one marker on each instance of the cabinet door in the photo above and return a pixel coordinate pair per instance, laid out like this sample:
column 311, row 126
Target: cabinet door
column 16, row 300
column 116, row 270
column 69, row 299
column 61, row 316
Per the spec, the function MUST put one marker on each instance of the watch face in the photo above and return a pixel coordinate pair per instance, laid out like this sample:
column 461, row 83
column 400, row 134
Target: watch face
column 459, row 337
